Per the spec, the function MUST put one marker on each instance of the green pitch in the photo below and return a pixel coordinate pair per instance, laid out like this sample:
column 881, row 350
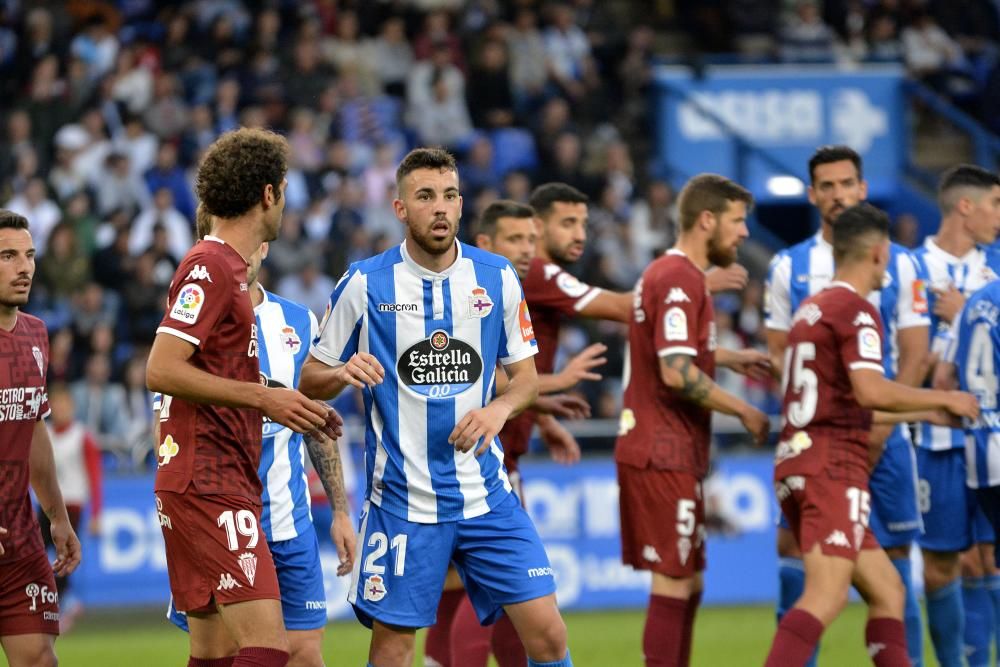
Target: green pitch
column 723, row 636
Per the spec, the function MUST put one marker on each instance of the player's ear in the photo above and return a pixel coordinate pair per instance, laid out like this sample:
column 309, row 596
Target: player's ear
column 484, row 242
column 263, row 250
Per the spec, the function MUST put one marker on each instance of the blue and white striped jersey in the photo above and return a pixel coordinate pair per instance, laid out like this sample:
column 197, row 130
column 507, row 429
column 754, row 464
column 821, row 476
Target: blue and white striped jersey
column 804, row 269
column 975, row 351
column 284, row 331
column 439, row 337
column 967, row 274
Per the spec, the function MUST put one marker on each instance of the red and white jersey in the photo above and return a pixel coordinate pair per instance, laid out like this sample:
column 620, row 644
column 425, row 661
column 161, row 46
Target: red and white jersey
column 824, row 427
column 24, row 362
column 673, row 314
column 78, row 465
column 213, row 448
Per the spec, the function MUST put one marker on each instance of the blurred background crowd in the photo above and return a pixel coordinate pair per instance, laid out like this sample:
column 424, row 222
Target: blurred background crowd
column 108, row 106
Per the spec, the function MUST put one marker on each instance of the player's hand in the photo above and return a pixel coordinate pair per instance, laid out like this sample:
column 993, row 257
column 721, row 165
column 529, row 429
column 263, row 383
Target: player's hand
column 733, row 277
column 943, row 418
column 962, row 404
column 752, row 363
column 346, row 541
column 580, row 367
column 564, row 406
column 562, row 446
column 291, row 408
column 3, row 531
column 334, row 426
column 757, row 424
column 363, row 370
column 67, row 548
column 948, row 303
column 481, row 424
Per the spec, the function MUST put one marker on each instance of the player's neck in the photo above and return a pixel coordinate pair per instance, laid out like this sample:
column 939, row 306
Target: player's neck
column 857, row 277
column 429, row 261
column 952, row 238
column 542, row 253
column 243, row 234
column 695, row 249
column 8, row 317
column 826, row 232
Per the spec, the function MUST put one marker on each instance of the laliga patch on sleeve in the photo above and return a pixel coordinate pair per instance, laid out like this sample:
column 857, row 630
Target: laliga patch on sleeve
column 569, row 284
column 188, row 304
column 675, row 324
column 869, row 344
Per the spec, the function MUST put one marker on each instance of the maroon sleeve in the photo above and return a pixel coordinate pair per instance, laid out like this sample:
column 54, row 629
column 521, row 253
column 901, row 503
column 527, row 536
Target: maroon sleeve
column 547, row 285
column 200, row 295
column 674, row 298
column 859, row 336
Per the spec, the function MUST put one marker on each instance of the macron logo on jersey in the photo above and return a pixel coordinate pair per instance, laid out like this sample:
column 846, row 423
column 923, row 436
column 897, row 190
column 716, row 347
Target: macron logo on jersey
column 677, row 295
column 199, row 272
column 863, row 319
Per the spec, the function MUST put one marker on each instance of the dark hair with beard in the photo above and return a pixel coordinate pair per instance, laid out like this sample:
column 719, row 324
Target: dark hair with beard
column 965, row 177
column 856, row 230
column 545, row 196
column 11, row 220
column 424, row 158
column 237, row 167
column 501, row 208
column 709, row 192
column 829, row 154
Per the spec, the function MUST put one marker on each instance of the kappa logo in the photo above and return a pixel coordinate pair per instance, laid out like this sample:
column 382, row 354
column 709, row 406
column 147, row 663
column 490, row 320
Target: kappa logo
column 480, row 303
column 199, row 272
column 374, row 588
column 650, row 554
column 864, row 319
column 248, row 563
column 168, row 450
column 227, row 583
column 677, row 295
column 838, row 539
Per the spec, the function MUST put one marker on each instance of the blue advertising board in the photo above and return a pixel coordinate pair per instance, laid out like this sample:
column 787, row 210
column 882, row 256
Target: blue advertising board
column 757, row 123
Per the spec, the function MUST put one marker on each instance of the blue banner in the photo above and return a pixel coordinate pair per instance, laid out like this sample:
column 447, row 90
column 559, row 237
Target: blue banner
column 780, row 115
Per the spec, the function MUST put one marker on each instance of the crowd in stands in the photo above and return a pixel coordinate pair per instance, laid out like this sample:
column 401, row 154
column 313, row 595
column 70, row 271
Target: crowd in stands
column 108, row 106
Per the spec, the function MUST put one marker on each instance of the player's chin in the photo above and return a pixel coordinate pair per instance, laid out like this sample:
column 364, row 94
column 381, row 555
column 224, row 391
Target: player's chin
column 15, row 299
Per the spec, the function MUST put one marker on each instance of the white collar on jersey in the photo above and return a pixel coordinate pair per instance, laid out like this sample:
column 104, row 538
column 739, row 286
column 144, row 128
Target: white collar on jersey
column 424, row 272
column 264, row 299
column 820, row 241
column 209, row 237
column 841, row 283
column 935, row 249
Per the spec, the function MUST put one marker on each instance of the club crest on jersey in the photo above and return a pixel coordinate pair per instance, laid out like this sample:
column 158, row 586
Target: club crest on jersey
column 188, row 304
column 248, row 563
column 869, row 344
column 290, row 340
column 675, row 324
column 37, row 354
column 524, row 320
column 569, row 284
column 626, row 422
column 375, row 588
column 168, row 450
column 439, row 366
column 480, row 303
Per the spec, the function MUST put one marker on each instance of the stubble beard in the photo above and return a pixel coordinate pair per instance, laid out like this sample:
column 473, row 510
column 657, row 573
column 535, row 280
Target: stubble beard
column 720, row 256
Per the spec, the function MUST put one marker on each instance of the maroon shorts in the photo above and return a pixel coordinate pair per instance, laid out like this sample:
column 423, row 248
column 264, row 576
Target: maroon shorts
column 662, row 521
column 831, row 512
column 29, row 603
column 216, row 550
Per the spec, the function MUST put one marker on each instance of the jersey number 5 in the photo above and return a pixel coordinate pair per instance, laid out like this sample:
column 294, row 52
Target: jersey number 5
column 804, row 383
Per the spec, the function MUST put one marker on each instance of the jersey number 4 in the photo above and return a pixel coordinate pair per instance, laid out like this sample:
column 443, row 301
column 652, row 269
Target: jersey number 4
column 980, row 373
column 804, row 383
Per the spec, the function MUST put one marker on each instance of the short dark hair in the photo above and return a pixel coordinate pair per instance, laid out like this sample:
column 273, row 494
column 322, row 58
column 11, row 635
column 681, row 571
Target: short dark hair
column 237, row 167
column 424, row 158
column 708, row 192
column 855, row 228
column 546, row 195
column 501, row 208
column 11, row 220
column 963, row 176
column 828, row 154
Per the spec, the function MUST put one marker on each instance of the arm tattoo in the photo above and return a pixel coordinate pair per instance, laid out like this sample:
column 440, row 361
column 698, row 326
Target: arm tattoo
column 696, row 386
column 325, row 456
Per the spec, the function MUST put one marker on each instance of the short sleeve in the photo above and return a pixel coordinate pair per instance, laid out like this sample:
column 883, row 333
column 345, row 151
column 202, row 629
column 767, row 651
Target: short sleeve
column 551, row 287
column 912, row 304
column 338, row 335
column 859, row 335
column 676, row 302
column 777, row 294
column 518, row 341
column 200, row 295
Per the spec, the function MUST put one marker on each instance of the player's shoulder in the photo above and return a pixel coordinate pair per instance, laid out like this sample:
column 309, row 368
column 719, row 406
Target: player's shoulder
column 484, row 257
column 380, row 262
column 206, row 255
column 675, row 265
column 291, row 309
column 31, row 323
column 842, row 305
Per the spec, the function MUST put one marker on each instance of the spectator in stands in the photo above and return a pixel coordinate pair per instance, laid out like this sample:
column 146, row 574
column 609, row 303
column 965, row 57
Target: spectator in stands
column 138, row 410
column 80, row 216
column 144, row 298
column 477, row 167
column 17, row 140
column 92, row 309
column 117, row 187
column 883, row 40
column 308, row 75
column 567, row 51
column 132, row 83
column 652, row 220
column 100, row 404
column 391, row 56
column 167, row 173
column 805, row 38
column 161, row 213
column 929, row 52
column 906, row 230
column 138, row 144
column 66, row 178
column 35, row 205
column 436, row 35
column 309, row 287
column 112, row 264
column 64, row 267
column 96, row 46
column 490, row 96
column 167, row 116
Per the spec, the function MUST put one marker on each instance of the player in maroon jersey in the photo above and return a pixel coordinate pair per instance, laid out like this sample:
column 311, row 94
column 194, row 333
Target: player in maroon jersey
column 833, row 380
column 29, row 603
column 663, row 436
column 204, row 362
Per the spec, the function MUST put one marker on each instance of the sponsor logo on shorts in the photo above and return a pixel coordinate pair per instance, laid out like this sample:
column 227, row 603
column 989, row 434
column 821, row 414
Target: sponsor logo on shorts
column 315, row 604
column 683, row 549
column 649, row 553
column 50, row 615
column 40, row 594
column 374, row 588
column 248, row 563
column 838, row 539
column 539, row 572
column 164, row 519
column 227, row 582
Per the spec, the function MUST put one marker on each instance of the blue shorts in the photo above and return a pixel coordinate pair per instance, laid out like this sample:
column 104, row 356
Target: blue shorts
column 988, row 501
column 300, row 580
column 896, row 519
column 401, row 565
column 952, row 520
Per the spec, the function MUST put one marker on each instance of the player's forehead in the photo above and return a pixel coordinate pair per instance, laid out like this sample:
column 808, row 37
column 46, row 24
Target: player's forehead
column 15, row 239
column 735, row 210
column 835, row 172
column 567, row 210
column 509, row 226
column 432, row 180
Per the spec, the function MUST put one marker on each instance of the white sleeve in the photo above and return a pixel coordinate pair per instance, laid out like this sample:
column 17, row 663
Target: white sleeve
column 338, row 339
column 777, row 294
column 911, row 306
column 951, row 339
column 518, row 341
column 313, row 326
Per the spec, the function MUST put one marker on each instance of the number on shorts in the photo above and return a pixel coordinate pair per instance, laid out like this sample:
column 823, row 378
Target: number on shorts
column 923, row 496
column 685, row 518
column 381, row 544
column 804, row 383
column 242, row 522
column 860, row 505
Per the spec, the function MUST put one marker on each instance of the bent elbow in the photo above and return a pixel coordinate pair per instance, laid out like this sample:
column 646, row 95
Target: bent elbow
column 154, row 379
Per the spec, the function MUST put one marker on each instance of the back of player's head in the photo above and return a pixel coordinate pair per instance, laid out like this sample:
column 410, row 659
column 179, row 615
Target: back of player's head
column 11, row 220
column 545, row 196
column 708, row 192
column 501, row 208
column 830, row 154
column 964, row 181
column 236, row 169
column 424, row 158
column 202, row 222
column 856, row 230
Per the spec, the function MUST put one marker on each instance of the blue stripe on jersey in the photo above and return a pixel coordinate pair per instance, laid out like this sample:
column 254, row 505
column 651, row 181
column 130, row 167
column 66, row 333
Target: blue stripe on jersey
column 491, row 338
column 266, row 452
column 798, row 290
column 441, row 456
column 888, row 310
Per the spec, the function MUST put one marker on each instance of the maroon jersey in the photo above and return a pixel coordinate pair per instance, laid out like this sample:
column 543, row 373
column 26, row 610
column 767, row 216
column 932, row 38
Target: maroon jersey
column 216, row 449
column 551, row 294
column 834, row 332
column 673, row 315
column 24, row 361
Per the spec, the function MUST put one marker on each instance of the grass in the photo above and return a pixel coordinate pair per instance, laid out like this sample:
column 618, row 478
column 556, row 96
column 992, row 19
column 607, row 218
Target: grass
column 723, row 636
